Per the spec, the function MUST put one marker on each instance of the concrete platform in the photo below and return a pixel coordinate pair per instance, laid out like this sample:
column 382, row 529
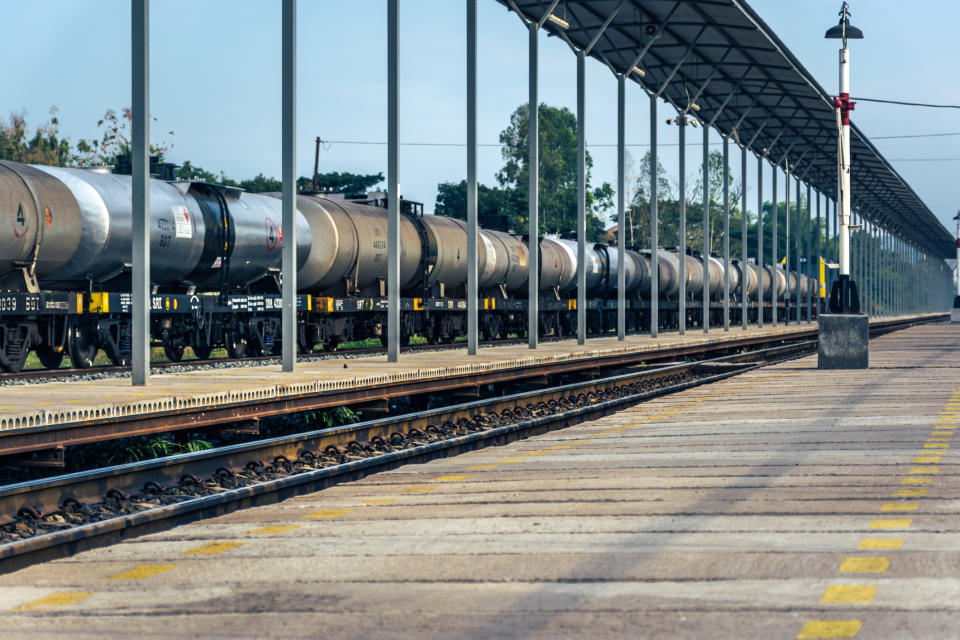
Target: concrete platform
column 784, row 503
column 63, row 403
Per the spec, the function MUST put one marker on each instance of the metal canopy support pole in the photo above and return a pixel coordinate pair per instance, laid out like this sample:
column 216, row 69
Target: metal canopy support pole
column 682, row 195
column 818, row 255
column 743, row 239
column 582, row 198
column 797, row 250
column 654, row 226
column 140, row 152
column 533, row 229
column 705, row 321
column 621, row 203
column 760, row 241
column 786, row 244
column 288, row 317
column 726, row 233
column 808, row 249
column 775, row 261
column 472, row 292
column 393, row 183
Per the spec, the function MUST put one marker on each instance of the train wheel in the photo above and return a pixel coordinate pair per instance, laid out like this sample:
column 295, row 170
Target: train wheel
column 81, row 346
column 174, row 352
column 236, row 345
column 201, row 351
column 50, row 357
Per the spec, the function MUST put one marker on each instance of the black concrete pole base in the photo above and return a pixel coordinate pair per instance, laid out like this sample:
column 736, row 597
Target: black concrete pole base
column 844, row 341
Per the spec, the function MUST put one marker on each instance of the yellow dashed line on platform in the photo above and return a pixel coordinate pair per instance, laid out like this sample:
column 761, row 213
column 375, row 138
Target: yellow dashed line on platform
column 214, row 548
column 274, row 529
column 537, row 453
column 507, row 460
column 828, row 629
column 902, row 523
column 936, row 446
column 916, row 481
column 325, row 514
column 373, row 501
column 900, row 506
column 924, row 470
column 451, row 478
column 55, row 600
column 142, row 571
column 881, row 543
column 425, row 488
column 864, row 565
column 909, row 493
column 850, row 593
column 922, row 459
column 483, row 467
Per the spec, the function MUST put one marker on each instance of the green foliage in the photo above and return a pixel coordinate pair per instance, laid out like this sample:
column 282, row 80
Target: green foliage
column 332, row 417
column 147, row 448
column 342, row 182
column 452, row 199
column 45, row 146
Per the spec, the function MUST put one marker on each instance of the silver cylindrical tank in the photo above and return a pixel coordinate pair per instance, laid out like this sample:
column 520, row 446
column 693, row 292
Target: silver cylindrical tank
column 555, row 264
column 447, row 263
column 513, row 275
column 668, row 274
column 641, row 269
column 633, row 270
column 716, row 277
column 763, row 279
column 779, row 279
column 733, row 278
column 34, row 203
column 105, row 243
column 594, row 265
column 694, row 276
column 747, row 279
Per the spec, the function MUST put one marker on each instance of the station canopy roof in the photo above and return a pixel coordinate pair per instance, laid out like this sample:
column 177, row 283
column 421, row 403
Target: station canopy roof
column 721, row 56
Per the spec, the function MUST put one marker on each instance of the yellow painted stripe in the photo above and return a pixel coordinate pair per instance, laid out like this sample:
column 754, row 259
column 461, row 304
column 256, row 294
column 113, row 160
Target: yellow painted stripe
column 482, row 467
column 504, row 460
column 324, row 514
column 941, row 433
column 922, row 459
column 850, row 593
column 142, row 571
column 939, row 440
column 936, row 445
column 900, row 506
column 561, row 446
column 916, row 481
column 828, row 629
column 373, row 501
column 451, row 478
column 909, row 493
column 419, row 489
column 901, row 523
column 537, row 453
column 864, row 565
column 881, row 543
column 274, row 529
column 925, row 470
column 214, row 548
column 55, row 600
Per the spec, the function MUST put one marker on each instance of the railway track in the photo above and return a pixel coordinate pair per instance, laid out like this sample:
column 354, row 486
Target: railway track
column 45, row 519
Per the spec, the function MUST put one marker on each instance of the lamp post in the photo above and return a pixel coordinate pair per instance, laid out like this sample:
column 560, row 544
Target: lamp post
column 844, row 332
column 843, row 297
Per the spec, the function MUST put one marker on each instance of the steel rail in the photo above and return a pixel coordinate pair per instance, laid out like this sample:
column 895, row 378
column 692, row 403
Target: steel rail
column 49, row 496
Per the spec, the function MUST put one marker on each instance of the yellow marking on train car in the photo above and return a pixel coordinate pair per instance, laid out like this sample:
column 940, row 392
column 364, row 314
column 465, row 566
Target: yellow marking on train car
column 900, row 506
column 79, row 303
column 850, row 593
column 326, row 514
column 274, row 529
column 864, row 565
column 375, row 501
column 55, row 600
column 309, row 303
column 922, row 459
column 902, row 523
column 881, row 543
column 99, row 302
column 828, row 629
column 453, row 478
column 213, row 548
column 142, row 571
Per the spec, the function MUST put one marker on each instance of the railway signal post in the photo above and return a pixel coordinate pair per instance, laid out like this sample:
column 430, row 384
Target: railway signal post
column 843, row 331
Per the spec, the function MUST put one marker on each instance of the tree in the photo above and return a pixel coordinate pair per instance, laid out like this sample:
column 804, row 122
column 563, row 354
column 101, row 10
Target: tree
column 557, row 171
column 337, row 182
column 452, row 199
column 44, row 147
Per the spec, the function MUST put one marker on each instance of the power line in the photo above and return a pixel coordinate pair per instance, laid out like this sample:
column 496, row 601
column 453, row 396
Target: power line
column 910, row 104
column 924, row 159
column 463, row 144
column 917, row 135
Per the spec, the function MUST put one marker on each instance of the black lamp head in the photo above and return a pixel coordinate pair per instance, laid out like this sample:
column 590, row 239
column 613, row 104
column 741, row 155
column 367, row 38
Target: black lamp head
column 844, row 30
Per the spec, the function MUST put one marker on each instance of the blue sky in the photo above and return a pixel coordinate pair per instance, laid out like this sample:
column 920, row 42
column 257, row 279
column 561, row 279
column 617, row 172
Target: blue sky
column 214, row 81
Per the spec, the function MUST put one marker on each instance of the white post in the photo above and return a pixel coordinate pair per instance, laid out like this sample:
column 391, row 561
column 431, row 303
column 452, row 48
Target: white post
column 288, row 314
column 140, row 161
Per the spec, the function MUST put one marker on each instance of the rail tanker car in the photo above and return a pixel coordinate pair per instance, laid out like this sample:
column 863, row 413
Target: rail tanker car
column 215, row 256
